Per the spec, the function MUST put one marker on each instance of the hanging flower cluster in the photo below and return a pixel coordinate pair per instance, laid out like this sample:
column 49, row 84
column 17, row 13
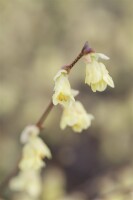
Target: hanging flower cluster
column 34, row 151
column 74, row 114
column 97, row 77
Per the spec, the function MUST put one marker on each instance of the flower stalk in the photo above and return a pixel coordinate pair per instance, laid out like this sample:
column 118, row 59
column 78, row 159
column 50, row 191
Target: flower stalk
column 46, row 112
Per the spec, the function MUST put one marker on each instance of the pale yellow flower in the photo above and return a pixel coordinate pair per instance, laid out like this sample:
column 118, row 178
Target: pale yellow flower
column 62, row 90
column 76, row 117
column 29, row 131
column 34, row 151
column 97, row 76
column 27, row 181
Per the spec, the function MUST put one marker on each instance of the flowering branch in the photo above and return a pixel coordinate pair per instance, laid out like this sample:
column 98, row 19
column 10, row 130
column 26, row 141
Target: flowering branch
column 74, row 115
column 85, row 50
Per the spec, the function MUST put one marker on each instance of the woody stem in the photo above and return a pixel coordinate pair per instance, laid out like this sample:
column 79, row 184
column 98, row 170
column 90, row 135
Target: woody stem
column 44, row 115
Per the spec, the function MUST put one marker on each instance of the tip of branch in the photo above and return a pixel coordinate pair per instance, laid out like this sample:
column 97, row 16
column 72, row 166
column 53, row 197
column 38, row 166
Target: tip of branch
column 86, row 49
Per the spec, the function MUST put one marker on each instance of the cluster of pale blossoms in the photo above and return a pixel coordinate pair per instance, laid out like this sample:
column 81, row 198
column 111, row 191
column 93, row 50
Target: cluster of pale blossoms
column 97, row 77
column 74, row 115
column 34, row 151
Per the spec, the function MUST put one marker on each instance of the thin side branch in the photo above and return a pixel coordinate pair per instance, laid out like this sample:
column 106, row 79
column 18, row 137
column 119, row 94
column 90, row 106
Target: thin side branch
column 40, row 122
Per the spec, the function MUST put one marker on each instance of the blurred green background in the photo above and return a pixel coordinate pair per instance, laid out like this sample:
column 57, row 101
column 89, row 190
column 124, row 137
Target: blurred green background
column 37, row 37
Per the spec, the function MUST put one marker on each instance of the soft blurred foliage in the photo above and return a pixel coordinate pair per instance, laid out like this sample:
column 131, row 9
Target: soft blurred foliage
column 37, row 37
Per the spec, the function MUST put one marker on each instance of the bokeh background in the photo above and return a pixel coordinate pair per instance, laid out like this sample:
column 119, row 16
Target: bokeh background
column 37, row 37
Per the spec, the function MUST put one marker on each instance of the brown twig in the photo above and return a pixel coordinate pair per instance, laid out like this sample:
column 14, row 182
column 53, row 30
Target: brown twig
column 40, row 122
column 85, row 50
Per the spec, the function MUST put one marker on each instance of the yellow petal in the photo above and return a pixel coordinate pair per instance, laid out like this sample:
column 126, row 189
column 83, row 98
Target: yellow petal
column 108, row 79
column 93, row 73
column 76, row 117
column 100, row 86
